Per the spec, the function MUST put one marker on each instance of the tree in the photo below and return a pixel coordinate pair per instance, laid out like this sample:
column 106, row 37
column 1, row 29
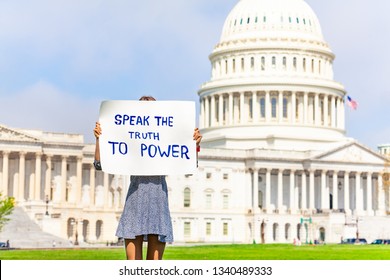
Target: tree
column 6, row 206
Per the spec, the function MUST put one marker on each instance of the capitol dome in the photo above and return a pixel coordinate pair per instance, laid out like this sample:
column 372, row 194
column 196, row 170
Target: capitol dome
column 254, row 19
column 272, row 83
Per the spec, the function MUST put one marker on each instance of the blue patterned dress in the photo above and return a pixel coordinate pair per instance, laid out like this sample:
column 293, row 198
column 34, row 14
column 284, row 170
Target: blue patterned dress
column 146, row 209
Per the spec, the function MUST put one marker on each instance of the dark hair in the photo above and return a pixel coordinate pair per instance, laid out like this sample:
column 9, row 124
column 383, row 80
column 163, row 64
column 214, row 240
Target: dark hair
column 147, row 98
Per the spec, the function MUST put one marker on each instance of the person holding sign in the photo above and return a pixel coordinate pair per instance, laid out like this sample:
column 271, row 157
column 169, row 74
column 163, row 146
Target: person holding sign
column 146, row 214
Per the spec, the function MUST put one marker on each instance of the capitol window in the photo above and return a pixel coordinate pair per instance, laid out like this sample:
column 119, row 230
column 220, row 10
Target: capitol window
column 208, row 200
column 262, row 63
column 273, row 109
column 225, row 229
column 187, row 229
column 208, row 228
column 187, row 197
column 262, row 107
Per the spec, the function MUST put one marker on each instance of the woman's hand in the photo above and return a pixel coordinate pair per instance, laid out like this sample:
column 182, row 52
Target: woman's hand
column 197, row 136
column 97, row 130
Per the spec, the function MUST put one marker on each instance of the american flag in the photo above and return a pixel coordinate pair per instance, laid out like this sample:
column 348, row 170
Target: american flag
column 351, row 103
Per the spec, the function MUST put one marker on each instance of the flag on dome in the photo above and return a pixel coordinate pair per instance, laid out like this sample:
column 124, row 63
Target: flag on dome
column 351, row 103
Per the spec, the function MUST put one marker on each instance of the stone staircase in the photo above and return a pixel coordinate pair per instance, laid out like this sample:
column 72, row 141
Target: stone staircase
column 22, row 232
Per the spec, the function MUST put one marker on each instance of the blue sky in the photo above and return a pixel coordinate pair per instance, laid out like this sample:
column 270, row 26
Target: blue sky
column 60, row 59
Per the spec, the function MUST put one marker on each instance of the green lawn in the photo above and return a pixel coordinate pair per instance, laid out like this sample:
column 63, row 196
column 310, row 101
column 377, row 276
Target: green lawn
column 216, row 252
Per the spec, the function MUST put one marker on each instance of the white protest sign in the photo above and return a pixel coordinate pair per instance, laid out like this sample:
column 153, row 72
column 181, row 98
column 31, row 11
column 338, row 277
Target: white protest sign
column 147, row 137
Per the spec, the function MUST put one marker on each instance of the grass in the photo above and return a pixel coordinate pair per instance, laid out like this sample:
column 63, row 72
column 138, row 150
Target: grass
column 216, row 252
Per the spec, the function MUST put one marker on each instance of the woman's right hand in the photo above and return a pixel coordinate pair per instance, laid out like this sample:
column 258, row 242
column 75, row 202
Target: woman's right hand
column 97, row 130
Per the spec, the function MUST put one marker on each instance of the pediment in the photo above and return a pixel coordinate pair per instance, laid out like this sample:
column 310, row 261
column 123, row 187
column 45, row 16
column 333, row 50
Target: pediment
column 352, row 152
column 9, row 134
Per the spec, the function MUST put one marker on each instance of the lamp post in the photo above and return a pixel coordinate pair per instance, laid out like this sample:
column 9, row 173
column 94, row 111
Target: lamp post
column 47, row 205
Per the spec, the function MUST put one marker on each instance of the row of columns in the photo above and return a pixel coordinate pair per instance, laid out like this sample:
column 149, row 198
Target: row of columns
column 303, row 196
column 39, row 189
column 304, row 108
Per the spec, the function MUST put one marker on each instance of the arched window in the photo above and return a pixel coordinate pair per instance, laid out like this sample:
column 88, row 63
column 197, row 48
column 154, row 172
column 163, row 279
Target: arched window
column 273, row 62
column 70, row 227
column 262, row 63
column 287, row 231
column 85, row 232
column 284, row 63
column 295, row 63
column 187, row 197
column 99, row 228
column 234, row 65
column 275, row 231
column 226, row 66
column 252, row 63
column 322, row 234
column 242, row 64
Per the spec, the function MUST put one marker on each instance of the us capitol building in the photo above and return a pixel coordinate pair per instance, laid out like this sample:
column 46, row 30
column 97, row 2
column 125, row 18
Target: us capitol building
column 275, row 163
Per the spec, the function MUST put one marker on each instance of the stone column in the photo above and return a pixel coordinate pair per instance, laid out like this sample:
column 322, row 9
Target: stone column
column 305, row 107
column 242, row 111
column 38, row 170
column 255, row 108
column 201, row 118
column 106, row 189
column 303, row 191
column 212, row 105
column 324, row 196
column 292, row 192
column 279, row 205
column 22, row 181
column 369, row 194
column 207, row 112
column 346, row 193
column 311, row 190
column 267, row 106
column 231, row 109
column 381, row 197
column 326, row 109
column 63, row 180
column 316, row 109
column 92, row 185
column 335, row 191
column 342, row 116
column 48, row 177
column 268, row 190
column 333, row 112
column 79, row 174
column 280, row 106
column 220, row 109
column 5, row 173
column 293, row 107
column 358, row 194
column 255, row 191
